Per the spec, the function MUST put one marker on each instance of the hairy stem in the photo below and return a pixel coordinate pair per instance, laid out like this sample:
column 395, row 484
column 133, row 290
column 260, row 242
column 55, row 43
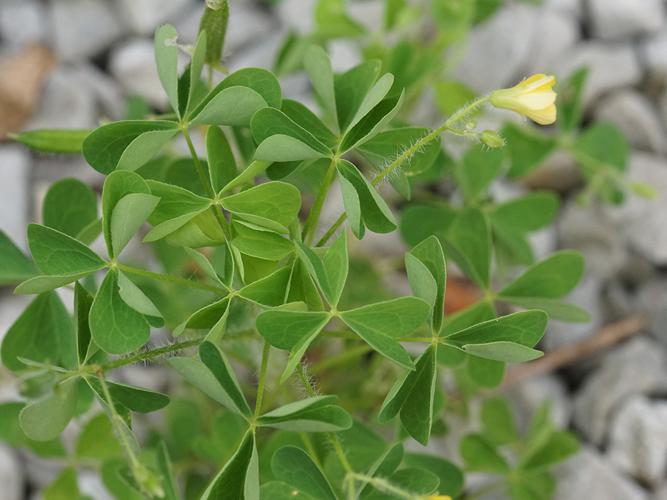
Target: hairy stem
column 448, row 125
column 146, row 355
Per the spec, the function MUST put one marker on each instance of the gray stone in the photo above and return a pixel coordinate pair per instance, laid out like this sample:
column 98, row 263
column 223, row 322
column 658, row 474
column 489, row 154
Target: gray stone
column 106, row 91
column 11, row 475
column 637, row 367
column 651, row 300
column 555, row 33
column 133, row 65
column 653, row 52
column 296, row 15
column 660, row 493
column 587, row 475
column 619, row 19
column 67, row 102
column 90, row 484
column 591, row 231
column 559, row 172
column 146, row 15
column 634, row 115
column 22, row 21
column 14, row 195
column 496, row 50
column 638, row 440
column 528, row 397
column 642, row 221
column 572, row 7
column 261, row 54
column 611, row 66
column 369, row 13
column 587, row 295
column 83, row 28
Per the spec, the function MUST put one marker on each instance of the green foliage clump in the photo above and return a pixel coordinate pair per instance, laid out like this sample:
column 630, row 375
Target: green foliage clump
column 250, row 280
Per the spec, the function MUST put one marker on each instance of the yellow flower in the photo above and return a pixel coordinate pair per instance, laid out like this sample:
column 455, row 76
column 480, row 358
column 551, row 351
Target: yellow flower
column 439, row 497
column 533, row 97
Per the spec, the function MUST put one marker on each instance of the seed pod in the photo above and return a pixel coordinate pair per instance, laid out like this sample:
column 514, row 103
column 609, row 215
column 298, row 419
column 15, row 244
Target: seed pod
column 492, row 139
column 214, row 22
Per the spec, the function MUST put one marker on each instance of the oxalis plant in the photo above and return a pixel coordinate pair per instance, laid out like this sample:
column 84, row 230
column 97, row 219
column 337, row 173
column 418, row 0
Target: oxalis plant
column 252, row 282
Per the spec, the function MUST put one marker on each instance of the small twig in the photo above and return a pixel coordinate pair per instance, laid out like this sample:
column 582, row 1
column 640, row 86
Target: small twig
column 605, row 338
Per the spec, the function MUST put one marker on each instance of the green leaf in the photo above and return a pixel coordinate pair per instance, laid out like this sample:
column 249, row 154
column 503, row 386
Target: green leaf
column 293, row 466
column 384, row 466
column 469, row 240
column 238, row 476
column 374, row 96
column 43, row 332
column 260, row 243
column 382, row 324
column 359, row 196
column 479, row 168
column 47, row 417
column 132, row 141
column 268, row 291
column 221, row 163
column 508, row 352
column 236, row 99
column 115, row 326
column 427, row 274
column 211, row 316
column 559, row 446
column 137, row 300
column 53, row 140
column 166, row 468
column 451, row 96
column 525, row 328
column 309, row 415
column 14, row 265
column 418, row 222
column 273, row 130
column 309, row 121
column 554, row 308
column 480, row 456
column 97, row 440
column 333, row 22
column 551, row 278
column 198, row 374
column 166, row 59
column 318, row 66
column 498, row 422
column 414, row 397
column 291, row 330
column 374, row 122
column 274, row 205
column 216, row 362
column 277, row 490
column 485, row 373
column 570, row 107
column 132, row 398
column 196, row 65
column 64, row 487
column 83, row 301
column 127, row 217
column 603, row 143
column 70, row 206
column 351, row 88
column 527, row 150
column 526, row 213
column 57, row 254
column 117, row 185
column 330, row 270
column 451, row 477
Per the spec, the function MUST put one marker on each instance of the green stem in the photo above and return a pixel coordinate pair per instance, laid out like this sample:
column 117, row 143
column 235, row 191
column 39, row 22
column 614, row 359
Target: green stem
column 266, row 351
column 153, row 353
column 448, row 125
column 167, row 278
column 314, row 216
column 332, row 437
column 205, row 181
column 385, row 486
